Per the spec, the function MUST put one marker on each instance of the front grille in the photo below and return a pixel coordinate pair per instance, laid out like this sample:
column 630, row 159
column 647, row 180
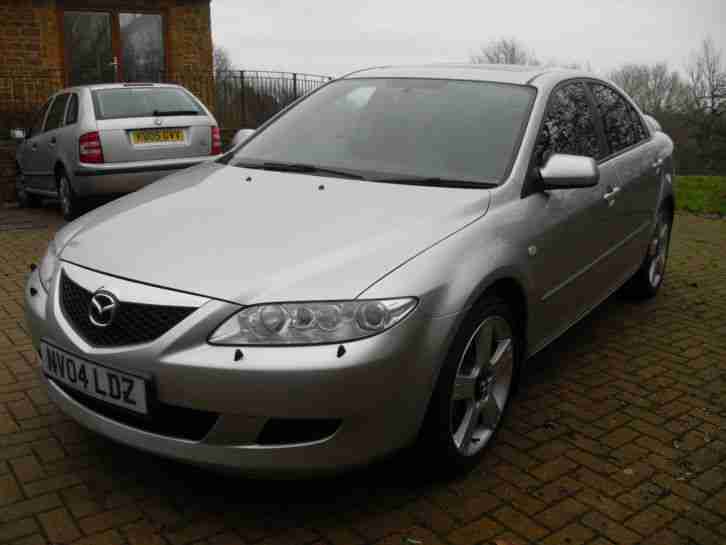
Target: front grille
column 134, row 323
column 167, row 420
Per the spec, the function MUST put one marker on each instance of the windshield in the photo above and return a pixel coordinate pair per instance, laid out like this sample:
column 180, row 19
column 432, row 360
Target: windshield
column 398, row 129
column 117, row 103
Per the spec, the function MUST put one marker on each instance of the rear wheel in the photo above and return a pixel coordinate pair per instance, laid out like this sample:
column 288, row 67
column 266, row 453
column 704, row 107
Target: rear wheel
column 25, row 199
column 646, row 282
column 71, row 206
column 474, row 387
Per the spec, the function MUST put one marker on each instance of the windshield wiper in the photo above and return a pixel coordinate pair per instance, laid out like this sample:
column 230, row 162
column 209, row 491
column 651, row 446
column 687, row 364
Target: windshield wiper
column 302, row 168
column 160, row 113
column 435, row 182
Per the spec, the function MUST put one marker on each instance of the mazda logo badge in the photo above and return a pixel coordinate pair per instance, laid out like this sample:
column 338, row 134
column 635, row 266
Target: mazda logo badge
column 102, row 309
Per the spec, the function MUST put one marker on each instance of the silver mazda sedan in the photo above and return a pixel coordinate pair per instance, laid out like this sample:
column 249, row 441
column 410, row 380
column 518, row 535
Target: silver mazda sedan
column 370, row 269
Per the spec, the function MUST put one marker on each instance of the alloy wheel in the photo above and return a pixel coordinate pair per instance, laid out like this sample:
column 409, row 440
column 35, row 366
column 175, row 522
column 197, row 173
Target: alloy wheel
column 659, row 252
column 482, row 385
column 64, row 190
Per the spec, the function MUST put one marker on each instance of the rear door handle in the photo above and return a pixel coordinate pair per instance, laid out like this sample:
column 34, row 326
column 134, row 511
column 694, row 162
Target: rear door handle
column 34, row 147
column 611, row 194
column 52, row 142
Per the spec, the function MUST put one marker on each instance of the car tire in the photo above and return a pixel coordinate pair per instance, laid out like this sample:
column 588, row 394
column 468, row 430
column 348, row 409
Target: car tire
column 25, row 199
column 71, row 205
column 474, row 387
column 648, row 279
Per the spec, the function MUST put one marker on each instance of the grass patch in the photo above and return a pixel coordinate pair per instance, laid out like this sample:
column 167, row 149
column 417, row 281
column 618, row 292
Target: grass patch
column 701, row 194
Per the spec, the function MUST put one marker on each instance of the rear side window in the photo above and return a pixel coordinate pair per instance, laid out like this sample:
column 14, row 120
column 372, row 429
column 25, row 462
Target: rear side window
column 569, row 126
column 621, row 122
column 72, row 113
column 144, row 102
column 57, row 111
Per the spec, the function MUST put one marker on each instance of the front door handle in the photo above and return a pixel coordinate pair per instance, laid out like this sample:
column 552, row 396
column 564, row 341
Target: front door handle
column 34, row 147
column 612, row 192
column 52, row 142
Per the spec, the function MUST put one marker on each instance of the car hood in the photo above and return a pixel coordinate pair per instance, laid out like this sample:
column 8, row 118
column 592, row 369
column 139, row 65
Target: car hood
column 250, row 236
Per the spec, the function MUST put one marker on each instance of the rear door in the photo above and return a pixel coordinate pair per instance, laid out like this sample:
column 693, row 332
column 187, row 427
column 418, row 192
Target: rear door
column 150, row 123
column 47, row 142
column 631, row 153
column 572, row 223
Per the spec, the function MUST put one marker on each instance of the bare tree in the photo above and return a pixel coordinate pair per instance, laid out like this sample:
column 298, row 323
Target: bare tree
column 221, row 60
column 707, row 78
column 655, row 88
column 706, row 106
column 505, row 51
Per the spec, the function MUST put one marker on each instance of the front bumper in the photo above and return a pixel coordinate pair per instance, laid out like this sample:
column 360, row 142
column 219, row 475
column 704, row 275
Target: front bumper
column 378, row 389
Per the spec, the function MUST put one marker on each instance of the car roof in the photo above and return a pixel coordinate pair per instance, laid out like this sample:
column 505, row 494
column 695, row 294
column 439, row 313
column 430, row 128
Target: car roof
column 95, row 86
column 498, row 73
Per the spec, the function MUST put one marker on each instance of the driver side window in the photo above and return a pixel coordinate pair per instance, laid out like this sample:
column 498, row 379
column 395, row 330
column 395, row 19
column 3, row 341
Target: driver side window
column 569, row 126
column 37, row 126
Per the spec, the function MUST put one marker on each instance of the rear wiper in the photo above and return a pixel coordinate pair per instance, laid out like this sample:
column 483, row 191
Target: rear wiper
column 435, row 182
column 160, row 113
column 302, row 168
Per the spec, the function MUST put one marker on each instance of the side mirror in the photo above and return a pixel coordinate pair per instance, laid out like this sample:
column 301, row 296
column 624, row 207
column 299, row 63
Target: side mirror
column 569, row 171
column 240, row 136
column 17, row 134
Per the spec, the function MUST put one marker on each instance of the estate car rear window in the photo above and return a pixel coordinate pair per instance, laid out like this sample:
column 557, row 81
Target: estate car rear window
column 394, row 129
column 117, row 103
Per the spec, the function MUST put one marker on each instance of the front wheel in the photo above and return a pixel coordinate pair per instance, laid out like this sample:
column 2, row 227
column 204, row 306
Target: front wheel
column 25, row 199
column 474, row 387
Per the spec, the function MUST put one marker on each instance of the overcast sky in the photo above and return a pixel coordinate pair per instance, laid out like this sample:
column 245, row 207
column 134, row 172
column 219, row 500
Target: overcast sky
column 334, row 37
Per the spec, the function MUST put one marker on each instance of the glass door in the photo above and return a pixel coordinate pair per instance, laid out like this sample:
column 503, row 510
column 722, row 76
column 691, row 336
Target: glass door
column 142, row 46
column 88, row 47
column 110, row 46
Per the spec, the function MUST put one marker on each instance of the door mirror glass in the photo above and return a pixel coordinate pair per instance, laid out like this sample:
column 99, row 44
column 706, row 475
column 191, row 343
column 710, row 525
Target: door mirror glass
column 17, row 134
column 569, row 171
column 240, row 136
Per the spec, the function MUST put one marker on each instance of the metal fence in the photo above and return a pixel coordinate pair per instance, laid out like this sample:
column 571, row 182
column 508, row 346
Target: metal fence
column 247, row 98
column 238, row 98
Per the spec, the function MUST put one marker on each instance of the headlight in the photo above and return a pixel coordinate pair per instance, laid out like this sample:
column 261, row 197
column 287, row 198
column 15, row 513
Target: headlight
column 311, row 323
column 48, row 266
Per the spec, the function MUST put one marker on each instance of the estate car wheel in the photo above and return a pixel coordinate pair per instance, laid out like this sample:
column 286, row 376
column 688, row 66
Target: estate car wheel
column 25, row 199
column 70, row 204
column 474, row 386
column 648, row 279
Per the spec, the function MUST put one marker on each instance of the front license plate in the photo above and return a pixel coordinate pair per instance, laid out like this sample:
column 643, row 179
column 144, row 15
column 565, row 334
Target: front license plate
column 94, row 380
column 157, row 136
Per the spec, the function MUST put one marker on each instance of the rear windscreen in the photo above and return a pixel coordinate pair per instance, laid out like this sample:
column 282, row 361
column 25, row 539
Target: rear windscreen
column 144, row 102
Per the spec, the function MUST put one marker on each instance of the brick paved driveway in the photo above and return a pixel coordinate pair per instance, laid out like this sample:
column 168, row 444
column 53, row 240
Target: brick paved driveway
column 617, row 436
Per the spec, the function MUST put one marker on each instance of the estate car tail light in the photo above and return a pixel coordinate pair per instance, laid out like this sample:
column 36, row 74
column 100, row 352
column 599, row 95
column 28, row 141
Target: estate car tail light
column 216, row 142
column 89, row 148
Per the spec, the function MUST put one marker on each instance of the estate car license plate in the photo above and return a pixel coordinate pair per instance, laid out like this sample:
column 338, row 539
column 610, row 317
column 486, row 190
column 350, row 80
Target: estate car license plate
column 157, row 136
column 109, row 385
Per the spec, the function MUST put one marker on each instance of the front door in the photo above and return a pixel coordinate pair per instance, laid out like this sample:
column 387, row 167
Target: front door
column 111, row 46
column 29, row 150
column 572, row 224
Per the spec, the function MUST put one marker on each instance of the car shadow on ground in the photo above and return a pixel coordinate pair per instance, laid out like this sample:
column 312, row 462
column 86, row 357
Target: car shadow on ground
column 387, row 484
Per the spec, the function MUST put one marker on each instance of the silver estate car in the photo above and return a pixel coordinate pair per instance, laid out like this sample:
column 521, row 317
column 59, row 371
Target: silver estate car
column 369, row 270
column 106, row 140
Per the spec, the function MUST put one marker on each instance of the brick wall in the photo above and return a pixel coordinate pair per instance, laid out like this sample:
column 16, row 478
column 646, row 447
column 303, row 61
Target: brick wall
column 32, row 61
